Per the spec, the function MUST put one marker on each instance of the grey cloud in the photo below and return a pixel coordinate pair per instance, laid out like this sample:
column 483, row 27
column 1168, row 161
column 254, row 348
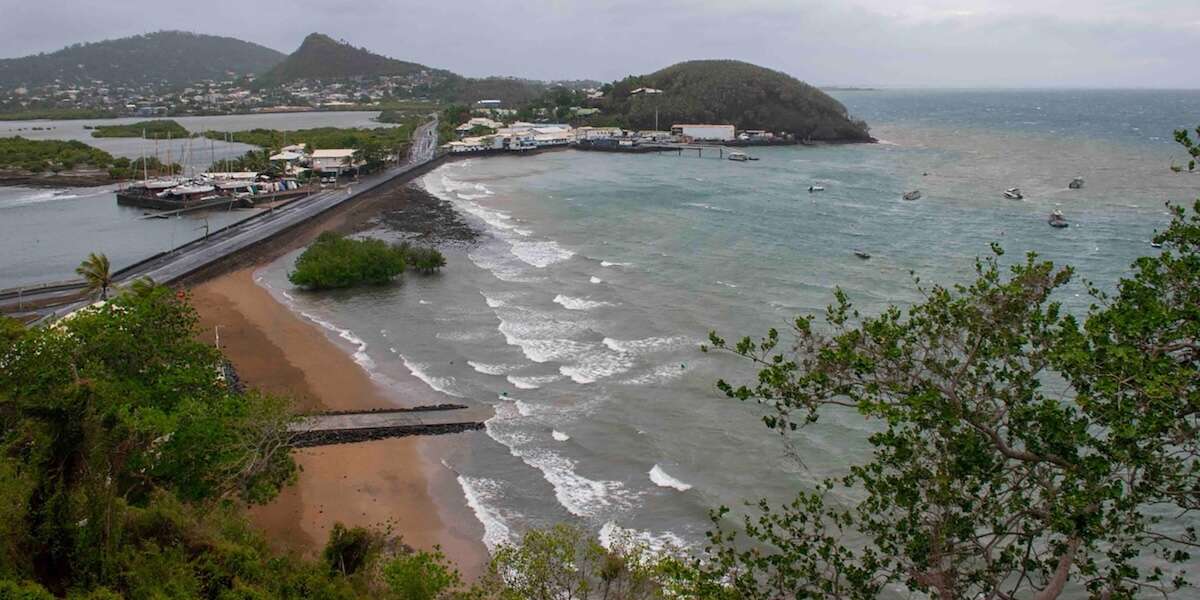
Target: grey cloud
column 939, row 43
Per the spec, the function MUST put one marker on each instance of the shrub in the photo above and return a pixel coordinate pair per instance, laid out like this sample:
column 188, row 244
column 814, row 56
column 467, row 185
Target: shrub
column 334, row 261
column 424, row 260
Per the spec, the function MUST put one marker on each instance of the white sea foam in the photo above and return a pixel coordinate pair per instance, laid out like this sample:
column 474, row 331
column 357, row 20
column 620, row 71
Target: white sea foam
column 727, row 284
column 580, row 495
column 492, row 369
column 540, row 254
column 559, row 436
column 650, row 344
column 570, row 303
column 596, row 365
column 614, row 536
column 360, row 355
column 444, row 385
column 605, row 263
column 595, row 279
column 531, row 382
column 662, row 479
column 480, row 494
column 422, row 302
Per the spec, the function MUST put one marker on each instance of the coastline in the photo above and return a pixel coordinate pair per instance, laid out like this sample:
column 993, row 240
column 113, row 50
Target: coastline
column 397, row 485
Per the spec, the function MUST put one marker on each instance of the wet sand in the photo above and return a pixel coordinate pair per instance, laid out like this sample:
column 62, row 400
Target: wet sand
column 396, row 484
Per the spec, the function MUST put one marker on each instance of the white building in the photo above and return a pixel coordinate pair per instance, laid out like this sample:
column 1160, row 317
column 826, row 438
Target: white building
column 598, row 133
column 334, row 159
column 704, row 132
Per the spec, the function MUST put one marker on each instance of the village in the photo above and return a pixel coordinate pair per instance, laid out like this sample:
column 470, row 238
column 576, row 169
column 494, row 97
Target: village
column 486, row 134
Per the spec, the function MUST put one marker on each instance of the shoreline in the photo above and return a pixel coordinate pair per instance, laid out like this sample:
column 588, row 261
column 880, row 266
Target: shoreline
column 397, row 485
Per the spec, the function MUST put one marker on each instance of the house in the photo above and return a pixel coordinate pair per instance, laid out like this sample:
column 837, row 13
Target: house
column 488, row 103
column 704, row 132
column 645, row 91
column 333, row 160
column 598, row 133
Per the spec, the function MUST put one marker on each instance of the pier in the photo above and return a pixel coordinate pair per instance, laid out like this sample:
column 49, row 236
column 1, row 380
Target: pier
column 326, row 429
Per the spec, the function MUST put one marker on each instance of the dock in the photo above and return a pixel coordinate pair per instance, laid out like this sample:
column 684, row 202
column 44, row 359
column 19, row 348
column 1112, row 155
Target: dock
column 331, row 428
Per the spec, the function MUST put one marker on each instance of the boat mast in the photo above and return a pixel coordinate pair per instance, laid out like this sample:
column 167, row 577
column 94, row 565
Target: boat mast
column 145, row 169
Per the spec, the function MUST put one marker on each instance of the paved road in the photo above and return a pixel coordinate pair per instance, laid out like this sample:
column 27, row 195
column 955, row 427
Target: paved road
column 198, row 254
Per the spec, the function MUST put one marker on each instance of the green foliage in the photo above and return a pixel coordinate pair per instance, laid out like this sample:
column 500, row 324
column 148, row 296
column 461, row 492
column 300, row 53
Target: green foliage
column 450, row 118
column 156, row 129
column 564, row 562
column 10, row 331
column 57, row 114
column 390, row 138
column 424, row 260
column 39, row 156
column 334, row 261
column 350, row 550
column 26, row 590
column 984, row 479
column 1192, row 146
column 421, row 576
column 107, row 411
column 97, row 274
column 729, row 91
column 171, row 57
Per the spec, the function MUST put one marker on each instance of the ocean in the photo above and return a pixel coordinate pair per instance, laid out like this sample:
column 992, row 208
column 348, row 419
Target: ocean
column 579, row 314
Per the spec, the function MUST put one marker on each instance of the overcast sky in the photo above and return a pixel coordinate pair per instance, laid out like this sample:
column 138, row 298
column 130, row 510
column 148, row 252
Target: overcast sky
column 950, row 43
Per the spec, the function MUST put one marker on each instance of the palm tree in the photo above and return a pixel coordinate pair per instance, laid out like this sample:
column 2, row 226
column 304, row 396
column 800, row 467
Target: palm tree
column 142, row 287
column 95, row 272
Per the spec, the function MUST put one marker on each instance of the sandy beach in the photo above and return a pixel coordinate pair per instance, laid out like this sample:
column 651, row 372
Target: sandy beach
column 396, row 484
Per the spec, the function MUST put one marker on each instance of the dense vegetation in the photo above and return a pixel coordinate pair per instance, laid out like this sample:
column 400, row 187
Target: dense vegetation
column 156, row 129
column 335, row 261
column 53, row 156
column 729, row 91
column 172, row 57
column 320, row 137
column 322, row 57
column 30, row 114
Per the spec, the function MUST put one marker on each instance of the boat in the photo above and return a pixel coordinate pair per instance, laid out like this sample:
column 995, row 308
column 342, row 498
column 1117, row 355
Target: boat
column 862, row 254
column 739, row 156
column 913, row 195
column 753, row 158
column 1155, row 244
column 1057, row 220
column 1013, row 194
column 1076, row 183
column 816, row 188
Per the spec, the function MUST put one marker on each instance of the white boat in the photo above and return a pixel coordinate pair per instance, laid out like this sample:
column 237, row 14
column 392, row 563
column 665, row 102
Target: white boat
column 1057, row 220
column 1076, row 183
column 913, row 195
column 1013, row 194
column 738, row 156
column 816, row 188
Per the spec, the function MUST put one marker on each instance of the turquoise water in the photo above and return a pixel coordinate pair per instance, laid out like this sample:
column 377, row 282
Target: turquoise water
column 579, row 313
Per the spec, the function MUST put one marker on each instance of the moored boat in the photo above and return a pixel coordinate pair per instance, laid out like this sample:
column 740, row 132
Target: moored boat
column 913, row 195
column 1013, row 193
column 862, row 254
column 739, row 156
column 1057, row 220
column 816, row 188
column 1076, row 183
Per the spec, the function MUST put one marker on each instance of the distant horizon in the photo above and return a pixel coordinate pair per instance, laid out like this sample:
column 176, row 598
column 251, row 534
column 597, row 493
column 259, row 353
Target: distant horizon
column 952, row 44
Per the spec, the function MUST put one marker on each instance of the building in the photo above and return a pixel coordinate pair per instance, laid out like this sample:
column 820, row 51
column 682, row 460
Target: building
column 333, row 160
column 715, row 133
column 645, row 90
column 488, row 103
column 598, row 133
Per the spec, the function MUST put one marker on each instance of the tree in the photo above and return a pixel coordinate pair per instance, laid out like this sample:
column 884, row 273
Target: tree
column 986, row 480
column 95, row 272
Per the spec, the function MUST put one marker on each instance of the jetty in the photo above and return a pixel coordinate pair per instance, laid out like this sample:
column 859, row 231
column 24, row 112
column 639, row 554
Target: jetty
column 350, row 427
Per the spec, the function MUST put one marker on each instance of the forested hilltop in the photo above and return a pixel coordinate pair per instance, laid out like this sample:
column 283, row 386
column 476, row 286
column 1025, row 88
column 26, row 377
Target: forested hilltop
column 730, row 91
column 172, row 57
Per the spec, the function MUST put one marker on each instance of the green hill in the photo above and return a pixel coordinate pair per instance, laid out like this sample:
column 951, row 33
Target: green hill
column 172, row 57
column 730, row 91
column 322, row 57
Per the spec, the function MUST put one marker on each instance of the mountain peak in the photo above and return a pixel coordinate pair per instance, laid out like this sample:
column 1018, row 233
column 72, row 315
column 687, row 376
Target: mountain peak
column 322, row 57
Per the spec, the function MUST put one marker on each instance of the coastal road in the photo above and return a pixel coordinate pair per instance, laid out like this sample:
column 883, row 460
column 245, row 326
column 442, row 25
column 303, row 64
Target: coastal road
column 62, row 297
